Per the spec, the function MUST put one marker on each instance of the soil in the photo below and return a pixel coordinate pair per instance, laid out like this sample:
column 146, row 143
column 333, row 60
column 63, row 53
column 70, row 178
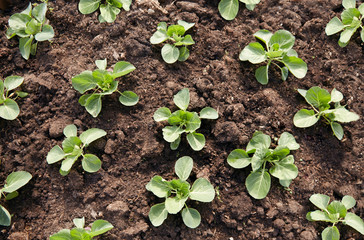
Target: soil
column 134, row 151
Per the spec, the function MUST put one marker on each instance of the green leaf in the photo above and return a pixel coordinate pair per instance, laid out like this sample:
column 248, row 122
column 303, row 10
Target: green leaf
column 348, row 201
column 183, row 167
column 25, row 46
column 285, row 183
column 209, row 113
column 122, row 68
column 182, row 99
column 304, row 118
column 337, row 207
column 336, row 96
column 187, row 40
column 162, row 114
column 175, row 30
column 16, row 180
column 9, row 109
column 84, row 82
column 279, row 152
column 91, row 163
column 79, row 222
column 263, row 35
column 18, row 22
column 178, row 117
column 69, row 144
column 101, row 64
column 171, row 133
column 258, row 184
column 175, row 204
column 254, row 53
column 159, row 187
column 99, row 227
column 159, row 36
column 258, row 158
column 361, row 9
column 191, row 217
column 355, row 222
column 319, row 215
column 330, row 233
column 193, row 121
column 170, row 54
column 288, row 141
column 93, row 104
column 202, row 191
column 284, row 73
column 238, row 159
column 250, row 6
column 284, row 170
column 55, row 154
column 70, row 131
column 91, row 135
column 64, row 234
column 334, row 26
column 21, row 94
column 228, row 9
column 343, row 115
column 1, row 90
column 68, row 163
column 283, row 38
column 126, row 4
column 337, row 129
column 320, row 200
column 39, row 12
column 350, row 16
column 348, row 4
column 174, row 145
column 88, row 6
column 184, row 54
column 186, row 25
column 12, row 82
column 261, row 74
column 108, row 13
column 158, row 214
column 295, row 65
column 11, row 195
column 196, row 140
column 46, row 34
column 346, row 35
column 5, row 217
column 128, row 98
column 259, row 141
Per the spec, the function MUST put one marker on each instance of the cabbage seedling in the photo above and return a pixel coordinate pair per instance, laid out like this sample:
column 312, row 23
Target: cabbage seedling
column 31, row 26
column 176, row 192
column 9, row 109
column 334, row 213
column 73, row 148
column 351, row 20
column 258, row 155
column 14, row 181
column 108, row 10
column 277, row 48
column 80, row 232
column 175, row 34
column 229, row 8
column 102, row 82
column 183, row 121
column 320, row 100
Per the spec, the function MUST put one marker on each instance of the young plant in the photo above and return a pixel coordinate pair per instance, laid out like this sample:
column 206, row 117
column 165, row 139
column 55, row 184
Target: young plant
column 335, row 212
column 175, row 35
column 9, row 109
column 229, row 8
column 351, row 20
column 320, row 100
column 73, row 147
column 176, row 192
column 14, row 181
column 109, row 9
column 277, row 48
column 183, row 121
column 102, row 82
column 31, row 26
column 258, row 155
column 80, row 232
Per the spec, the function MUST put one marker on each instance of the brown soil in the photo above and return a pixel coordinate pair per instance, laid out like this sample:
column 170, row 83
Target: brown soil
column 134, row 150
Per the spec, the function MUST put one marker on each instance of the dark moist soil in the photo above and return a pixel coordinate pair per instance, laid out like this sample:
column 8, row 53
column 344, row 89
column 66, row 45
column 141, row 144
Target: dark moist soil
column 134, row 151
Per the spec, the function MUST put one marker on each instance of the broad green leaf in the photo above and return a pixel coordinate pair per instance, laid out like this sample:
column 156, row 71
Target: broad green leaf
column 70, row 131
column 258, row 184
column 283, row 38
column 337, row 129
column 318, row 96
column 320, row 200
column 193, row 121
column 295, row 65
column 55, row 154
column 25, row 46
column 279, row 152
column 162, row 114
column 79, row 222
column 159, row 187
column 182, row 99
column 101, row 64
column 108, row 13
column 330, row 233
column 196, row 140
column 122, row 68
column 174, row 145
column 186, row 25
column 362, row 31
column 284, row 73
column 128, row 98
column 93, row 104
column 84, row 82
column 348, row 4
column 202, row 191
column 126, row 4
column 99, row 227
column 158, row 214
column 64, row 234
column 175, row 29
column 250, row 2
column 9, row 109
column 350, row 16
column 16, row 180
column 28, row 10
column 191, row 217
column 361, row 9
column 39, row 12
column 184, row 54
column 304, row 118
column 337, row 207
column 209, row 113
column 70, row 143
column 346, row 35
column 79, row 233
column 88, row 6
column 348, row 201
column 91, row 163
column 91, row 135
column 343, row 115
column 83, row 99
column 238, row 158
column 5, row 217
column 178, row 117
column 254, row 53
column 1, row 90
column 287, row 140
column 283, row 170
column 11, row 195
column 261, row 74
column 228, row 9
column 170, row 53
column 21, row 94
column 302, row 92
column 263, row 35
column 336, row 96
column 175, row 204
column 18, row 22
column 13, row 82
column 46, row 34
column 258, row 158
column 183, row 167
column 355, row 222
column 291, row 53
column 259, row 141
column 159, row 36
column 68, row 163
column 187, row 40
column 334, row 26
column 171, row 133
column 319, row 215
column 285, row 183
column 250, row 6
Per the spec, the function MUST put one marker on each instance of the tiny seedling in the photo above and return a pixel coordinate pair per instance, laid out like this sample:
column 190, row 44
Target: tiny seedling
column 335, row 212
column 73, row 147
column 320, row 100
column 278, row 48
column 229, row 8
column 14, row 181
column 9, row 109
column 175, row 35
column 351, row 20
column 258, row 182
column 80, row 232
column 31, row 26
column 176, row 192
column 184, row 121
column 108, row 10
column 102, row 82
